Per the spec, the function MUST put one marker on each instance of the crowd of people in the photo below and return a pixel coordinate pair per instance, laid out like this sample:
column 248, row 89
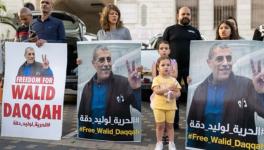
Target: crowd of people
column 168, row 72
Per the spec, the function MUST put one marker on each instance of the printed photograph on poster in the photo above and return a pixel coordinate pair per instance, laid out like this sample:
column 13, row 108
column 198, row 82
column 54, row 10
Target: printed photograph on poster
column 31, row 67
column 33, row 90
column 226, row 95
column 109, row 93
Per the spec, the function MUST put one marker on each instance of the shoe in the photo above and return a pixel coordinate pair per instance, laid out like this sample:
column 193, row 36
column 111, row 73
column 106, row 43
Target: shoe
column 159, row 146
column 172, row 146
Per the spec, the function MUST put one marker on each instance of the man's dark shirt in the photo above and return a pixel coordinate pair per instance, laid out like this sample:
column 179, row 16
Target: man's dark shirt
column 179, row 37
column 52, row 29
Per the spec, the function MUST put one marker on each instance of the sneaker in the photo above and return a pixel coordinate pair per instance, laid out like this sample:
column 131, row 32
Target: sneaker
column 172, row 146
column 159, row 146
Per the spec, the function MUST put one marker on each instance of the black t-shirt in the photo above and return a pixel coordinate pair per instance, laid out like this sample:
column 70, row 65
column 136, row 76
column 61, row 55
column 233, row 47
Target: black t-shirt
column 179, row 37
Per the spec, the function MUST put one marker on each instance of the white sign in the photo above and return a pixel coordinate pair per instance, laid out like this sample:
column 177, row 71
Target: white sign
column 34, row 90
column 113, row 64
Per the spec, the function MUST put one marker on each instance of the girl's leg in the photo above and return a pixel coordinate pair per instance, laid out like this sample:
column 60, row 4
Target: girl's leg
column 159, row 131
column 159, row 116
column 165, row 138
column 169, row 124
column 170, row 131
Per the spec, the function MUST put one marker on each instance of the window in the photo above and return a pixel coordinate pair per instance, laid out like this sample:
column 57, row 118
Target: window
column 194, row 6
column 223, row 9
column 131, row 13
column 257, row 14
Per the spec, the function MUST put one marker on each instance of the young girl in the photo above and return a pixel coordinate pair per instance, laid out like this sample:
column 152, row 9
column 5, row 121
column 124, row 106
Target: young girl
column 164, row 50
column 166, row 89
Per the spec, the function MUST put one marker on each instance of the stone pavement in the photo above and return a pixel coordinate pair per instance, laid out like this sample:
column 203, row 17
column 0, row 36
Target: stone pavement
column 70, row 142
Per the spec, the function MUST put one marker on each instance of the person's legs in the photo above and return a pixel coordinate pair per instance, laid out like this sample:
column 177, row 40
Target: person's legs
column 165, row 139
column 159, row 116
column 159, row 131
column 170, row 115
column 182, row 75
column 177, row 116
column 170, row 129
column 185, row 74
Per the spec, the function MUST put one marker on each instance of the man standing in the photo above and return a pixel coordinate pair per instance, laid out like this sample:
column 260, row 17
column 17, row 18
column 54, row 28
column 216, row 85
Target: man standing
column 33, row 68
column 109, row 96
column 24, row 32
column 179, row 37
column 48, row 28
column 227, row 100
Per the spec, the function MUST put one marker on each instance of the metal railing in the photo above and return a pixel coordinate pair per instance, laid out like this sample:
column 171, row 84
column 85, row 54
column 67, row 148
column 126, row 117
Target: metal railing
column 224, row 9
column 194, row 6
column 257, row 14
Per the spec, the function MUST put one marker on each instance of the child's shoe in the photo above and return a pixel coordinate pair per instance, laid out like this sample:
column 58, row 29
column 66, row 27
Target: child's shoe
column 159, row 146
column 172, row 146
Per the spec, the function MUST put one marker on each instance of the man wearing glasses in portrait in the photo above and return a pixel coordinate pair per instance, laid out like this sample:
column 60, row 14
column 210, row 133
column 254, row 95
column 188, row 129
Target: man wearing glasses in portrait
column 227, row 100
column 31, row 67
column 108, row 95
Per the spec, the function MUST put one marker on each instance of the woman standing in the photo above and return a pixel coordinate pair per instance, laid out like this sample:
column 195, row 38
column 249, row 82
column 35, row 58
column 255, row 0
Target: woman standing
column 112, row 26
column 226, row 31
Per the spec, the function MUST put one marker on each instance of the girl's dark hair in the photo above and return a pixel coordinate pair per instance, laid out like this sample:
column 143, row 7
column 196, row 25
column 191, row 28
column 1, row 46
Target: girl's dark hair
column 233, row 34
column 160, row 59
column 232, row 18
column 162, row 42
column 104, row 17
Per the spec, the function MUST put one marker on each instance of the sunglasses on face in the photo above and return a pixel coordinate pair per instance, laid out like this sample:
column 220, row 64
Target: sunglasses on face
column 220, row 59
column 103, row 59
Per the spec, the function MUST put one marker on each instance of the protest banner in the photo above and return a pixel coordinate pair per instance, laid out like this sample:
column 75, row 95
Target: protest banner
column 109, row 97
column 34, row 90
column 225, row 98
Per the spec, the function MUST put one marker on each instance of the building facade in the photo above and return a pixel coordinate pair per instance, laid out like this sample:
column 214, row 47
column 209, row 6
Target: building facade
column 146, row 18
column 152, row 16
